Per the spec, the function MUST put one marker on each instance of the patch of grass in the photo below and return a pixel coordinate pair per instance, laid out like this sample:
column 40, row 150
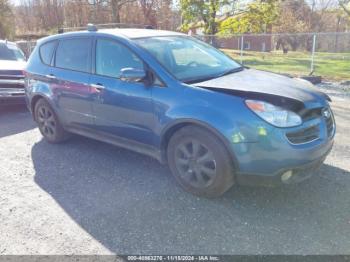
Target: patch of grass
column 331, row 66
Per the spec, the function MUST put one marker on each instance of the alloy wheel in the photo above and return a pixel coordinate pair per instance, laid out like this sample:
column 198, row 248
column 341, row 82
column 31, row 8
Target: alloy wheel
column 195, row 163
column 46, row 121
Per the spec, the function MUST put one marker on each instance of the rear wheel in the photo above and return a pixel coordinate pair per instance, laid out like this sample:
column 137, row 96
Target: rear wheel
column 200, row 162
column 48, row 123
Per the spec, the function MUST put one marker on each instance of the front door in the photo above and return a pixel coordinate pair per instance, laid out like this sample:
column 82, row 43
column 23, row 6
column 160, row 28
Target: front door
column 121, row 109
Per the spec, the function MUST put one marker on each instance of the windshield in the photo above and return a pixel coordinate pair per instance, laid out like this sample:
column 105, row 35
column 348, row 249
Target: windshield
column 11, row 52
column 188, row 59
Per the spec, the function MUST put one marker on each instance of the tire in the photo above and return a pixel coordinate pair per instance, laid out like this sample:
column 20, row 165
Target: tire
column 200, row 162
column 48, row 122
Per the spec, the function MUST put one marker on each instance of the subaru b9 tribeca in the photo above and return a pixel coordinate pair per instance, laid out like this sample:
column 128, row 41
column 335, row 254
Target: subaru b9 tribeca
column 175, row 98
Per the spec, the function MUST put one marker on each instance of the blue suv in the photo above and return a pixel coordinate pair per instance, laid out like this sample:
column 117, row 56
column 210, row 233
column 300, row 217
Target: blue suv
column 215, row 122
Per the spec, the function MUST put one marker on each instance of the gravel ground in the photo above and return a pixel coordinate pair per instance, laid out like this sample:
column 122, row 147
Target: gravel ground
column 86, row 197
column 341, row 89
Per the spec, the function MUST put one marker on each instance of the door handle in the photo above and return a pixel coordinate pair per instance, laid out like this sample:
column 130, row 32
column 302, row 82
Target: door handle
column 98, row 87
column 51, row 76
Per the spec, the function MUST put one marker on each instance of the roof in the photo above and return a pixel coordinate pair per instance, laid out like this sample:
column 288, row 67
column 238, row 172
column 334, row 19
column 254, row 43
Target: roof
column 138, row 33
column 129, row 33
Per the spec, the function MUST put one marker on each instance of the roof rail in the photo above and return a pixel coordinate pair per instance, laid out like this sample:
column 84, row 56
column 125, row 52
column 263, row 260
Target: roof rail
column 93, row 28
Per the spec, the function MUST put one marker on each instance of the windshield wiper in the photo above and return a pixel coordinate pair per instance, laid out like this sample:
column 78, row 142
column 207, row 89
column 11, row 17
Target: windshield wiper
column 207, row 78
column 198, row 80
column 232, row 70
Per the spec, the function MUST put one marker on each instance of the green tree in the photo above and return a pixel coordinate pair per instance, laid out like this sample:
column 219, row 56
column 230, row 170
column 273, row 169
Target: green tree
column 345, row 4
column 6, row 20
column 258, row 18
column 205, row 11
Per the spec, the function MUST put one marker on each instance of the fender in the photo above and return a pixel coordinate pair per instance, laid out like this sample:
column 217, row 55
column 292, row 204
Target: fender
column 178, row 123
column 40, row 90
column 215, row 118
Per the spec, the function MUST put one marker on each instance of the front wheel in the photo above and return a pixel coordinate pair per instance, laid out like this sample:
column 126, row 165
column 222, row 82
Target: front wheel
column 200, row 162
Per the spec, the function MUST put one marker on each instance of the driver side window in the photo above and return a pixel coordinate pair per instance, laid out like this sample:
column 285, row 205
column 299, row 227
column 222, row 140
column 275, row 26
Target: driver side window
column 111, row 57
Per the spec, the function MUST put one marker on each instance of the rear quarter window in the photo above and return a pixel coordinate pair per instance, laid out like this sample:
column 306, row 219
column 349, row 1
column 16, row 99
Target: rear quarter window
column 46, row 52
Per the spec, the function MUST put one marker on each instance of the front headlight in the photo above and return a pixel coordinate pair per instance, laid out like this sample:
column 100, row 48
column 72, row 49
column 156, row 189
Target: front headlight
column 274, row 115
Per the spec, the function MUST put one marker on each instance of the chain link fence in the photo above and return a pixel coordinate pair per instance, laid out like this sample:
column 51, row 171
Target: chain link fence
column 27, row 46
column 321, row 54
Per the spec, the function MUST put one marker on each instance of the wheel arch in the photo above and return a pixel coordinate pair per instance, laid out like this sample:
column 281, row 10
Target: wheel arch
column 35, row 100
column 177, row 125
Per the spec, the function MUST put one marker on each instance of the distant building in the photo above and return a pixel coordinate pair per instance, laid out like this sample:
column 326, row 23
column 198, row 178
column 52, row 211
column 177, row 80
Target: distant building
column 261, row 43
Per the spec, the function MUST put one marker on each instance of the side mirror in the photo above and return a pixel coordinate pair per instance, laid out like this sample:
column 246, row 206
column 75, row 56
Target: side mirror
column 132, row 75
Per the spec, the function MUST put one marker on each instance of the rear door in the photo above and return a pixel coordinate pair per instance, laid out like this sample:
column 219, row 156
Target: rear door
column 69, row 80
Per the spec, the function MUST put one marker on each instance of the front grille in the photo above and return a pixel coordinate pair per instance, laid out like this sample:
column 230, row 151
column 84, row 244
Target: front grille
column 11, row 72
column 311, row 114
column 312, row 133
column 11, row 77
column 305, row 135
column 11, row 86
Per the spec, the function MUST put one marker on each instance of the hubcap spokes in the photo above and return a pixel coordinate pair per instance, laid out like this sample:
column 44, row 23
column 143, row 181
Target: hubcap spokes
column 46, row 121
column 196, row 163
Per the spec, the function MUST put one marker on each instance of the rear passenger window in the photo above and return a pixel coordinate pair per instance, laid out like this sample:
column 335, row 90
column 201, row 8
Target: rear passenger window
column 46, row 52
column 74, row 54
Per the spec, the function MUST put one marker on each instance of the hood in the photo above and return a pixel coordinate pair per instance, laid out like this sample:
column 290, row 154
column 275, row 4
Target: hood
column 264, row 84
column 12, row 65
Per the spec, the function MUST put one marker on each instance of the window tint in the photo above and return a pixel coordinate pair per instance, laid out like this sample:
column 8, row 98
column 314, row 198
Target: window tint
column 111, row 57
column 46, row 51
column 74, row 54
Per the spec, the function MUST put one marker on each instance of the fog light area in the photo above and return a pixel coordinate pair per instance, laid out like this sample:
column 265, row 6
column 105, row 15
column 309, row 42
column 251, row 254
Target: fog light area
column 287, row 176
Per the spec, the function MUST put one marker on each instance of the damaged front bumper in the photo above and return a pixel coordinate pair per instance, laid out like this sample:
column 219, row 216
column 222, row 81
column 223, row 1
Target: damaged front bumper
column 292, row 175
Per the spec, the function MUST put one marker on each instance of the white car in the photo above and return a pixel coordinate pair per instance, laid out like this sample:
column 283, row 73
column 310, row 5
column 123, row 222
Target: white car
column 12, row 65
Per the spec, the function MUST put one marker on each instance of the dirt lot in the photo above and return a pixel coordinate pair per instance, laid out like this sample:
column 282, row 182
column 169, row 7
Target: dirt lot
column 86, row 197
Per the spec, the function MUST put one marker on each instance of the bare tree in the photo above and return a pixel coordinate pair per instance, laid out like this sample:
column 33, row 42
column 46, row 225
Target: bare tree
column 116, row 6
column 6, row 23
column 148, row 9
